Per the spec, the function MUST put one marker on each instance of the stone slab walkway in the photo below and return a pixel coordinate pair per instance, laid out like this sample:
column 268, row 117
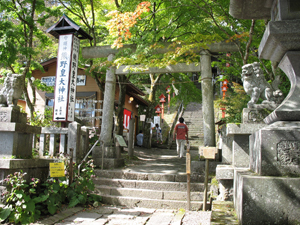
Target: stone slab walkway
column 116, row 215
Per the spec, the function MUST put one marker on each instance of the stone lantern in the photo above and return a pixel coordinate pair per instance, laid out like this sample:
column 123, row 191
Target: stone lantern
column 268, row 186
column 162, row 100
column 157, row 110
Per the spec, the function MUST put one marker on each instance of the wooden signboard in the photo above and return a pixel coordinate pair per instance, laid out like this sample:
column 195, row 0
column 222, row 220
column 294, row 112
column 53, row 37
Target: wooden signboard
column 208, row 152
column 121, row 140
column 57, row 169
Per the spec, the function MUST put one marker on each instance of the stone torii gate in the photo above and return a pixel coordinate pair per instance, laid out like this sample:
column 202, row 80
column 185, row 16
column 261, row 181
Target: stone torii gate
column 206, row 82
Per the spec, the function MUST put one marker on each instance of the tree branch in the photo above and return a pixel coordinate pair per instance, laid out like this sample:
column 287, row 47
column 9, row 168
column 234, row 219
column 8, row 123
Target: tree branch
column 247, row 50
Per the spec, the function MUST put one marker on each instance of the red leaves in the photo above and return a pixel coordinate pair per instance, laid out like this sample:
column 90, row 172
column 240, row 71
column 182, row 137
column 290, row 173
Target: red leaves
column 120, row 23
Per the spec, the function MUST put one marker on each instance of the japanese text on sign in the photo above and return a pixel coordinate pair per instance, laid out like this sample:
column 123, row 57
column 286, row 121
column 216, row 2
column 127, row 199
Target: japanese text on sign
column 62, row 77
column 57, row 169
column 72, row 90
column 66, row 78
column 50, row 81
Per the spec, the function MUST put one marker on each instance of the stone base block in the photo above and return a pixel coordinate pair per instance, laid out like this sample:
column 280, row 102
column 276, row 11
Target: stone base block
column 12, row 114
column 35, row 168
column 224, row 172
column 267, row 200
column 240, row 143
column 254, row 115
column 15, row 144
column 109, row 152
column 198, row 167
column 226, row 146
column 224, row 175
column 274, row 150
column 109, row 163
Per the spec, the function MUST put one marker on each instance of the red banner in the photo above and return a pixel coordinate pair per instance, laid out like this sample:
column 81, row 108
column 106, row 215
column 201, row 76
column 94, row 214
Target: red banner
column 127, row 117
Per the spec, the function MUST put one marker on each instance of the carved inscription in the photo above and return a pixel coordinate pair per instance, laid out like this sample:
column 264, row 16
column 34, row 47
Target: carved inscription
column 288, row 153
column 256, row 116
column 3, row 117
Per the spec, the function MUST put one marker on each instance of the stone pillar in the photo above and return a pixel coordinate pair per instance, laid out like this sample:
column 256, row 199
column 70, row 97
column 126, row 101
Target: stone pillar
column 240, row 142
column 84, row 141
column 74, row 132
column 108, row 104
column 207, row 99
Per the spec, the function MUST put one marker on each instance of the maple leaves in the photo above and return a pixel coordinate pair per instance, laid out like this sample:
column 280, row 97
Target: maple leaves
column 242, row 37
column 120, row 23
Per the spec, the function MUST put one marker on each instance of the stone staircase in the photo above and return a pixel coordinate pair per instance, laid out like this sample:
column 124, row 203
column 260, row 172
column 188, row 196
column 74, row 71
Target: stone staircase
column 148, row 190
column 157, row 178
column 193, row 118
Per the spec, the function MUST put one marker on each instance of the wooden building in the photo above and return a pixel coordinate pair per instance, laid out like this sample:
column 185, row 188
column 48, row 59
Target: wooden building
column 89, row 98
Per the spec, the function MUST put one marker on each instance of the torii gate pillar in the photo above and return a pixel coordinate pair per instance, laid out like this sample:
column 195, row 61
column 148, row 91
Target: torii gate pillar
column 207, row 99
column 108, row 106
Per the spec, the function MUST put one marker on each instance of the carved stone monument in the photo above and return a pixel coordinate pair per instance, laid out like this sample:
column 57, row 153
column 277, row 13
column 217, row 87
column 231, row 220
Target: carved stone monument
column 257, row 87
column 270, row 188
column 15, row 135
column 12, row 90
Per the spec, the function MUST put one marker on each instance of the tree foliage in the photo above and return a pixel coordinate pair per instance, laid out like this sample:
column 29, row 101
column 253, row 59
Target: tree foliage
column 21, row 38
column 183, row 27
column 189, row 25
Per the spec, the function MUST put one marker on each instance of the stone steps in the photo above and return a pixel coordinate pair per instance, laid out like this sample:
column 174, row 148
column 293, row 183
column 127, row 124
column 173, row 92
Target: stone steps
column 151, row 185
column 223, row 213
column 193, row 119
column 149, row 194
column 150, row 203
column 148, row 190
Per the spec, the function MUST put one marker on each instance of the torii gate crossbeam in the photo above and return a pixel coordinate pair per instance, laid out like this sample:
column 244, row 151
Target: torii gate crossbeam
column 206, row 82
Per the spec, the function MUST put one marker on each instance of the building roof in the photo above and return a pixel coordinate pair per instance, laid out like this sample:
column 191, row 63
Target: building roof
column 49, row 61
column 67, row 26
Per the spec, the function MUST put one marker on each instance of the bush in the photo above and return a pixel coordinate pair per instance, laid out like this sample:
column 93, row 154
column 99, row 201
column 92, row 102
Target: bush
column 235, row 101
column 25, row 203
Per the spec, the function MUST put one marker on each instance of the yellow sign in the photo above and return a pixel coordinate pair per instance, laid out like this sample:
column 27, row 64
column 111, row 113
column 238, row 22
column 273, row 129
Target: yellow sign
column 57, row 169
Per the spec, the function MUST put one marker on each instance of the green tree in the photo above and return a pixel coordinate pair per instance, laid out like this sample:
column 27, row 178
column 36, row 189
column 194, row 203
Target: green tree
column 90, row 15
column 21, row 38
column 188, row 25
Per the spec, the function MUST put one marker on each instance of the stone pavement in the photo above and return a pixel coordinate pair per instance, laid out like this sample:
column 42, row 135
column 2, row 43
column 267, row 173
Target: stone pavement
column 117, row 215
column 155, row 160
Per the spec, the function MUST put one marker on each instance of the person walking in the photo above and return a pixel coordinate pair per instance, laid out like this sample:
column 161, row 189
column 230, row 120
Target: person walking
column 181, row 132
column 158, row 134
column 139, row 139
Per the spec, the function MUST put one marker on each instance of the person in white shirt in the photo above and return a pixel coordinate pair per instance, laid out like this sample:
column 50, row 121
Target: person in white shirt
column 139, row 139
column 158, row 134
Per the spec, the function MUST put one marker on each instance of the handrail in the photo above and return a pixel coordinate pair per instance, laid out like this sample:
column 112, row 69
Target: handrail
column 89, row 153
column 178, row 115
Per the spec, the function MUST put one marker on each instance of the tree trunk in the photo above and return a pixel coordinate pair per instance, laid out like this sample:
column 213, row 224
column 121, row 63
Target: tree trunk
column 150, row 111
